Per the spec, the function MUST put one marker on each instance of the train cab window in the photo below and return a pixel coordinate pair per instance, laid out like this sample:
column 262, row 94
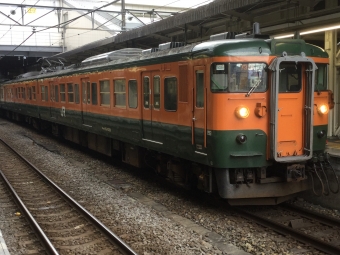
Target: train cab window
column 170, row 94
column 119, row 93
column 76, row 94
column 133, row 94
column 56, row 93
column 321, row 77
column 104, row 93
column 289, row 77
column 146, row 92
column 244, row 77
column 34, row 95
column 94, row 96
column 156, row 92
column 219, row 77
column 62, row 93
column 70, row 92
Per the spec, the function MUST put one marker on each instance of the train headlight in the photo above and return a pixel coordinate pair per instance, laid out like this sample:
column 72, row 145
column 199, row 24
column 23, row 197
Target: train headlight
column 242, row 112
column 323, row 109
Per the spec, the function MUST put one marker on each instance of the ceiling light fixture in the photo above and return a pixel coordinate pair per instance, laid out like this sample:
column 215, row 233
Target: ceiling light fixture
column 309, row 32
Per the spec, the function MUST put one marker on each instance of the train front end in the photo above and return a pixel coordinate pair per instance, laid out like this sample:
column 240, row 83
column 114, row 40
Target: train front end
column 270, row 106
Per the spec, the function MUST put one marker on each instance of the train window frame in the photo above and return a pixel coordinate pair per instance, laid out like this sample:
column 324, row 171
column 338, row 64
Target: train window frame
column 133, row 94
column 104, row 94
column 170, row 99
column 146, row 92
column 239, row 77
column 70, row 93
column 156, row 93
column 62, row 93
column 119, row 92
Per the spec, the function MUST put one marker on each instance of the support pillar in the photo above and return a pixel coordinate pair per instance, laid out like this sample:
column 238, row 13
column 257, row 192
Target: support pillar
column 331, row 47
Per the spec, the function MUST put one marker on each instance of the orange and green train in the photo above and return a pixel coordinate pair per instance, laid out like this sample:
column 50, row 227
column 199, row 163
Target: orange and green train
column 246, row 118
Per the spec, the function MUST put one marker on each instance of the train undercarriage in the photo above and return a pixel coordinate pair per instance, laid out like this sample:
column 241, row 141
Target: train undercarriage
column 240, row 186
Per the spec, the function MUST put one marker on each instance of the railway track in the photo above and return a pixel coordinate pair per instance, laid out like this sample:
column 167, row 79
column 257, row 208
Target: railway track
column 314, row 229
column 62, row 224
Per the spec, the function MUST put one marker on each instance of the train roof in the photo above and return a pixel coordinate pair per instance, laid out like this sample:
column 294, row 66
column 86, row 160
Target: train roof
column 177, row 52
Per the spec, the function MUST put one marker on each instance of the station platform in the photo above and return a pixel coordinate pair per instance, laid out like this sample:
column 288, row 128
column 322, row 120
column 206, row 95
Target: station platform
column 3, row 246
column 333, row 147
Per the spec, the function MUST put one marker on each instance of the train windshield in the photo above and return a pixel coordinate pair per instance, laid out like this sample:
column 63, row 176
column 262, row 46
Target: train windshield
column 238, row 77
column 321, row 77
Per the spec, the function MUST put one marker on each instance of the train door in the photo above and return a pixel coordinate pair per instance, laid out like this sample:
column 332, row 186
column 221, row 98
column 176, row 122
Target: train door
column 199, row 121
column 151, row 107
column 292, row 108
column 86, row 100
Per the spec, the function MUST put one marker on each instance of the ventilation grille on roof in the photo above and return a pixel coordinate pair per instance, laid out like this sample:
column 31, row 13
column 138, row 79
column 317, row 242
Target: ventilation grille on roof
column 113, row 55
column 170, row 45
column 223, row 36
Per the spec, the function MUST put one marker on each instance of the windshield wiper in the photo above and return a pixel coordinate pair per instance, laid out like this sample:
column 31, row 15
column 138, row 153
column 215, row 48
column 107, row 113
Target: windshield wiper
column 254, row 87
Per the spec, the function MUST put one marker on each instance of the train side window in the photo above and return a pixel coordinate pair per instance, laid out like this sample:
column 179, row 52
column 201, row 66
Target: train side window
column 24, row 93
column 34, row 95
column 76, row 94
column 46, row 93
column 62, row 93
column 146, row 91
column 70, row 92
column 156, row 92
column 88, row 92
column 105, row 93
column 119, row 93
column 199, row 89
column 94, row 93
column 42, row 93
column 56, row 93
column 170, row 94
column 133, row 94
column 29, row 93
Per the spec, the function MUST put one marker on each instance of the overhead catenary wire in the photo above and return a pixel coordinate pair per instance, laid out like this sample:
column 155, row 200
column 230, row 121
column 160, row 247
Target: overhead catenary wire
column 63, row 23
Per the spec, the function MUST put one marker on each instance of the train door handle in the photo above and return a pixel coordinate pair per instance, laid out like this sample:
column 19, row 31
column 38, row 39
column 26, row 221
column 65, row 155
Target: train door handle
column 193, row 119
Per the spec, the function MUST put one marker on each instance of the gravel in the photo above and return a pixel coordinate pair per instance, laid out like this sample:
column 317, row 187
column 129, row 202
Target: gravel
column 148, row 213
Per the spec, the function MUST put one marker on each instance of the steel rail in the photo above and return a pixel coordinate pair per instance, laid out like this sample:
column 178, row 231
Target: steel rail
column 122, row 246
column 44, row 239
column 298, row 235
column 327, row 220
